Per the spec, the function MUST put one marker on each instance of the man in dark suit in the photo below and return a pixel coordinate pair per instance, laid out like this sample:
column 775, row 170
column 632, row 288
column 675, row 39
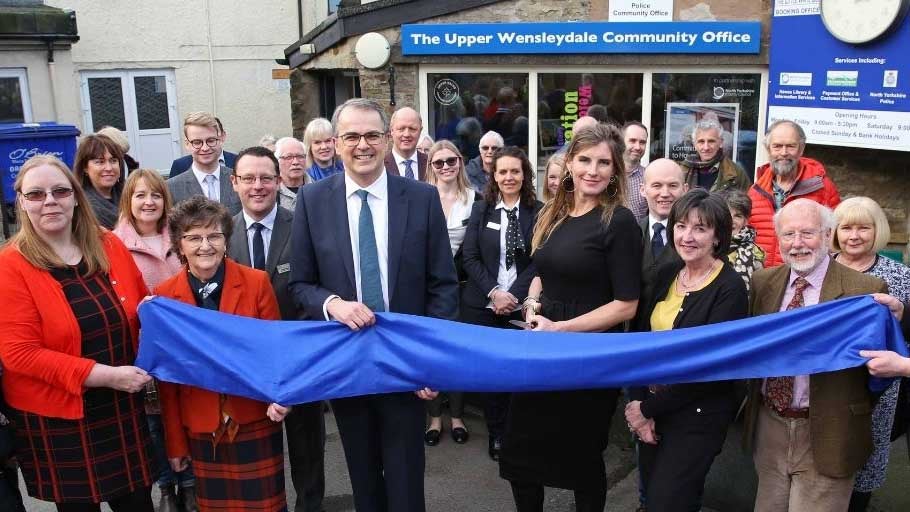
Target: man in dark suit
column 404, row 159
column 366, row 241
column 809, row 434
column 183, row 164
column 207, row 177
column 261, row 239
column 663, row 183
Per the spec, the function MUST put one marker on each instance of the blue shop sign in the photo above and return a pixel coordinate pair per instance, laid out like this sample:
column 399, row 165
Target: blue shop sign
column 581, row 37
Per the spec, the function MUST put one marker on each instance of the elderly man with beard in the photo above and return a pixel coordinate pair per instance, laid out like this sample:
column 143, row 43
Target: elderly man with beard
column 787, row 177
column 809, row 434
column 710, row 168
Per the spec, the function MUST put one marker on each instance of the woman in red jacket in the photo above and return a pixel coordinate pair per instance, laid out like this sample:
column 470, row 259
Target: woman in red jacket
column 68, row 334
column 235, row 443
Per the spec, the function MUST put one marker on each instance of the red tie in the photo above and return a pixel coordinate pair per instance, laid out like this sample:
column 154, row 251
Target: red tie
column 779, row 390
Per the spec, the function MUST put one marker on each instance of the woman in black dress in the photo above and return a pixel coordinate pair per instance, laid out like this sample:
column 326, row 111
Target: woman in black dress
column 497, row 261
column 587, row 250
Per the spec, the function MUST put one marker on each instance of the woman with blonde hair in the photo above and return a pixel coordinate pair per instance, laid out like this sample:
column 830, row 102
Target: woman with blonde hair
column 68, row 338
column 587, row 250
column 445, row 171
column 143, row 229
column 862, row 231
column 555, row 172
column 319, row 144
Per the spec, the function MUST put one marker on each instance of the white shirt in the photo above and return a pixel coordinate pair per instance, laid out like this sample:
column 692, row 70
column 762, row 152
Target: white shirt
column 200, row 177
column 457, row 221
column 400, row 160
column 506, row 277
column 651, row 221
column 378, row 199
column 268, row 224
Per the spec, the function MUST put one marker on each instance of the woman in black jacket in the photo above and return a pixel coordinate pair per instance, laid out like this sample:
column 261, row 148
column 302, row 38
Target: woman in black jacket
column 682, row 427
column 497, row 261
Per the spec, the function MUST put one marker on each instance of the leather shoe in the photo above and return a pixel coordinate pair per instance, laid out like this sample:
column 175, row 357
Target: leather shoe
column 460, row 435
column 431, row 437
column 495, row 447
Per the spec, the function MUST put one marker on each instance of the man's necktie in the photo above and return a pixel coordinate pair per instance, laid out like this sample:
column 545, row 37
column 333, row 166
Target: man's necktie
column 409, row 169
column 779, row 390
column 258, row 247
column 657, row 241
column 514, row 241
column 370, row 283
column 210, row 191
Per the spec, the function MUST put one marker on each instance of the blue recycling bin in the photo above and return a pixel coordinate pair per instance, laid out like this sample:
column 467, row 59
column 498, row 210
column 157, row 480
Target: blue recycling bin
column 21, row 141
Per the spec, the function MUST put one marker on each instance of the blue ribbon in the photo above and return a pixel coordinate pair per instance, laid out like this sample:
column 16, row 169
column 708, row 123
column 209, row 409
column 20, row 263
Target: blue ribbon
column 296, row 362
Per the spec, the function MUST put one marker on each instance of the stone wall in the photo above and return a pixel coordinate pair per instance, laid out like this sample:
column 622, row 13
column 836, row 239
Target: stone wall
column 878, row 174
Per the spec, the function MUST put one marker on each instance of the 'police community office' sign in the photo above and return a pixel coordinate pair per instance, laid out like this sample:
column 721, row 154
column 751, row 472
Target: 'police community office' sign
column 581, row 37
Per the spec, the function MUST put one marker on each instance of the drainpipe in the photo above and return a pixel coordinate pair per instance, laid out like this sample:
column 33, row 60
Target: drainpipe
column 208, row 29
column 51, row 76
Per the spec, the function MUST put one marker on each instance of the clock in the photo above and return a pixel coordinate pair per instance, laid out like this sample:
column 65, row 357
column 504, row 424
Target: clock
column 862, row 21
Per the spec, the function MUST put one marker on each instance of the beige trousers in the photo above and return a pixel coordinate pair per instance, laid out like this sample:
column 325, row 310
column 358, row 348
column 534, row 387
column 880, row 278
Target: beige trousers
column 787, row 477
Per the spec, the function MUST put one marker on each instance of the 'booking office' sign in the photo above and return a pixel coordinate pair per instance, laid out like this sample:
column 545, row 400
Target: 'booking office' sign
column 581, row 37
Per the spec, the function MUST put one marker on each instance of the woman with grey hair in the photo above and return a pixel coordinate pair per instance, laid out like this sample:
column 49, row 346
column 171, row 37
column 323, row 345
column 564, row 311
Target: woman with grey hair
column 319, row 144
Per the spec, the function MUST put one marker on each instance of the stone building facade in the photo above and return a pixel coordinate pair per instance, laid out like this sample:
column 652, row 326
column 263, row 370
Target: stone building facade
column 328, row 48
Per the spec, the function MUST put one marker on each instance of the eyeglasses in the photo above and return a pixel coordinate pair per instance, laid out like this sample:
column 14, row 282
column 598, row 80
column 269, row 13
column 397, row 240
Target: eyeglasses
column 288, row 158
column 489, row 148
column 808, row 235
column 352, row 139
column 451, row 162
column 41, row 195
column 249, row 179
column 210, row 142
column 214, row 239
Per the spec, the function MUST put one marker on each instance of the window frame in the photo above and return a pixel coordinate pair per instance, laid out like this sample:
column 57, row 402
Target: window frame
column 22, row 75
column 646, row 96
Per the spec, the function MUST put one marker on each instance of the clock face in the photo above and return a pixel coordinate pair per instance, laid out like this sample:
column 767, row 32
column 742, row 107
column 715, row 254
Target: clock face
column 862, row 21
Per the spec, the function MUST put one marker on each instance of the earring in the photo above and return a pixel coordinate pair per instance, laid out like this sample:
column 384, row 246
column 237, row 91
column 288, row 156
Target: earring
column 567, row 184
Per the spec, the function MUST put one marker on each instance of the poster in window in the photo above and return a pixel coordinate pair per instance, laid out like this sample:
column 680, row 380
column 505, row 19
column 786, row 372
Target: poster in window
column 682, row 118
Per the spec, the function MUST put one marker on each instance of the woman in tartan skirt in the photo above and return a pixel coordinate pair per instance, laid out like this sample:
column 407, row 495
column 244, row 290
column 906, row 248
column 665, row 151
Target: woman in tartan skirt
column 235, row 443
column 68, row 333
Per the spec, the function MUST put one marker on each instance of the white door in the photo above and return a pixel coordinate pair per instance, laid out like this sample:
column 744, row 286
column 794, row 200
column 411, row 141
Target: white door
column 142, row 103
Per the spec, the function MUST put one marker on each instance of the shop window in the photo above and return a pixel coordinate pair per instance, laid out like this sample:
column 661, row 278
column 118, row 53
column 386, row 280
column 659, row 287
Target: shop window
column 14, row 103
column 679, row 100
column 564, row 97
column 464, row 106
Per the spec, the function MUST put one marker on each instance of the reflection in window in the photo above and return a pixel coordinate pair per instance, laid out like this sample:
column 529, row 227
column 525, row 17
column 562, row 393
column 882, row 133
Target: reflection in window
column 564, row 97
column 679, row 100
column 465, row 106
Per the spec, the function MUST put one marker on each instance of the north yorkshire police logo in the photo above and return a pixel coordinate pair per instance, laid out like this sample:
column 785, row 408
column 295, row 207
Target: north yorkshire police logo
column 446, row 91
